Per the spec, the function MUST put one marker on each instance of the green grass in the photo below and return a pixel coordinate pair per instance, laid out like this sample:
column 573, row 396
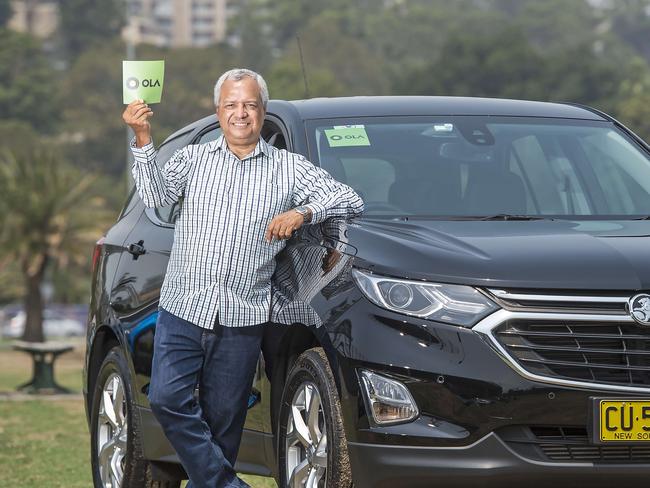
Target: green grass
column 45, row 443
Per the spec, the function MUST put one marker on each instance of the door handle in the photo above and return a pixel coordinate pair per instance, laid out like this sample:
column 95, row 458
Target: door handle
column 136, row 249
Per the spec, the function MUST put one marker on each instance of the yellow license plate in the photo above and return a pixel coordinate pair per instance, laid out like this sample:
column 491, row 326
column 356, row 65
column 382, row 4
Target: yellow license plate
column 624, row 420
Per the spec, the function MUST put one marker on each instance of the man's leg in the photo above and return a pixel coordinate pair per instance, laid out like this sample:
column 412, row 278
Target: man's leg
column 177, row 359
column 231, row 354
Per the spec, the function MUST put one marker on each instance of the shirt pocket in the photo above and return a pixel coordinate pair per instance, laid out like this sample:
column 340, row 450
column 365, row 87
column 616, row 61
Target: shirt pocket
column 266, row 196
column 257, row 197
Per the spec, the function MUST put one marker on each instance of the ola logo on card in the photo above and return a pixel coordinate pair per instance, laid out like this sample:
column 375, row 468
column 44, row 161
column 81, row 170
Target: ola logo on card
column 132, row 83
column 346, row 136
column 142, row 80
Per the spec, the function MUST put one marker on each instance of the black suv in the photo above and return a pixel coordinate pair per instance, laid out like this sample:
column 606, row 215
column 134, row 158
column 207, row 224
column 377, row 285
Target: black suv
column 485, row 321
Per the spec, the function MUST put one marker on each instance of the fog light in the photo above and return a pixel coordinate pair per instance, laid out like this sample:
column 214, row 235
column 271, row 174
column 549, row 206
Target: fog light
column 389, row 400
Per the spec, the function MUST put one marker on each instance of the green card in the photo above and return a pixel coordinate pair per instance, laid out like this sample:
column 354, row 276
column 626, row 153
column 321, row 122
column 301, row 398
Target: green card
column 347, row 135
column 142, row 80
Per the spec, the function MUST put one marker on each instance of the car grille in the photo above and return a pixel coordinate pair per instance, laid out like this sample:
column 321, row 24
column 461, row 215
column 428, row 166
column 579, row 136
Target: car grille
column 615, row 353
column 572, row 337
column 572, row 444
column 569, row 444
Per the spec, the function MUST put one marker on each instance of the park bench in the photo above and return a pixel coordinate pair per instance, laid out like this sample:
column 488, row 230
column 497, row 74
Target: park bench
column 44, row 355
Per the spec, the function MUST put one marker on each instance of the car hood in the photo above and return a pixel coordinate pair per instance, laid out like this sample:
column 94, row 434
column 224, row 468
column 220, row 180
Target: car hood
column 603, row 255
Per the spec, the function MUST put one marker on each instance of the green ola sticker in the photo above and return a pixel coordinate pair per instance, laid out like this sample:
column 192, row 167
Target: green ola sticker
column 142, row 80
column 345, row 136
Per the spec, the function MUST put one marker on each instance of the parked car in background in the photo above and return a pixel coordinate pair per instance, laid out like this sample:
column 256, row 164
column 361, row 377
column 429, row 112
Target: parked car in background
column 485, row 322
column 57, row 322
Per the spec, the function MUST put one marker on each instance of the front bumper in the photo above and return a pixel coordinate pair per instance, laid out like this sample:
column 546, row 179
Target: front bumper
column 488, row 462
column 483, row 423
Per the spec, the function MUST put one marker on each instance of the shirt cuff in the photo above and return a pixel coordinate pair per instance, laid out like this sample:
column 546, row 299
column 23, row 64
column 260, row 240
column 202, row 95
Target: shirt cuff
column 145, row 154
column 318, row 212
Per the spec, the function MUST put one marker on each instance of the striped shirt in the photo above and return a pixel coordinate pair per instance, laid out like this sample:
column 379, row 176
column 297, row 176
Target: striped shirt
column 220, row 261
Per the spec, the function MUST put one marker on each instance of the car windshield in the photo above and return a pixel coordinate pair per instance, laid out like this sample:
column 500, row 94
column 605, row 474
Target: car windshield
column 485, row 167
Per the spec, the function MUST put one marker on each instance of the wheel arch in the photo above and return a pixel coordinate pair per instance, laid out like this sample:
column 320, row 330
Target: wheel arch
column 104, row 340
column 297, row 339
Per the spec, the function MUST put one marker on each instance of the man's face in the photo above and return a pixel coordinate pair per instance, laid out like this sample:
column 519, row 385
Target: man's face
column 241, row 112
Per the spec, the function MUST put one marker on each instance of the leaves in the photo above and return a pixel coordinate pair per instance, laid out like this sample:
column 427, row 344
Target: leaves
column 88, row 23
column 49, row 210
column 26, row 81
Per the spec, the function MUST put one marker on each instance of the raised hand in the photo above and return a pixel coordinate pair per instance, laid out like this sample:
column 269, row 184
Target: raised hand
column 136, row 115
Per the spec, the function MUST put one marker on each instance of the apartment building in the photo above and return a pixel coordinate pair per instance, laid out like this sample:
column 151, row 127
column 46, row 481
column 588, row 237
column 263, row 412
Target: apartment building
column 177, row 23
column 164, row 23
column 39, row 18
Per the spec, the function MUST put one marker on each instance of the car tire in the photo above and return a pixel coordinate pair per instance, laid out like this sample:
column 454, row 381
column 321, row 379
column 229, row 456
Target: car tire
column 310, row 409
column 115, row 440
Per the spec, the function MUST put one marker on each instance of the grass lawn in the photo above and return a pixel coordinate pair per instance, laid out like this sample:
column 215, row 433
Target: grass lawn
column 44, row 443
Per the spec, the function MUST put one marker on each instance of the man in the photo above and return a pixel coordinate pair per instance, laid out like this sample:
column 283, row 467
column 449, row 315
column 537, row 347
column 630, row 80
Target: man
column 242, row 198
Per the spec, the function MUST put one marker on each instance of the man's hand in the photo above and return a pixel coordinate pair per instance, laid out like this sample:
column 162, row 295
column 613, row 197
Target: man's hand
column 136, row 115
column 283, row 225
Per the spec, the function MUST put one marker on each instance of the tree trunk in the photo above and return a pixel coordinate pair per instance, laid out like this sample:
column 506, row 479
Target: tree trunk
column 34, row 303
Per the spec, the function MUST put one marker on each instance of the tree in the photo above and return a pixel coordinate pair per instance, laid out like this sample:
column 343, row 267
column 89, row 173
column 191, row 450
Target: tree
column 551, row 25
column 88, row 23
column 286, row 81
column 502, row 64
column 633, row 109
column 5, row 12
column 48, row 212
column 630, row 21
column 27, row 82
column 331, row 54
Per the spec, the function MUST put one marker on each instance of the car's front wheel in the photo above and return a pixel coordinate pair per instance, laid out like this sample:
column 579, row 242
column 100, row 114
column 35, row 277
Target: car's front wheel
column 116, row 453
column 312, row 446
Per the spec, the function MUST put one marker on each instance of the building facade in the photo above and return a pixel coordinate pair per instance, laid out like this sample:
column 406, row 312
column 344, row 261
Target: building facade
column 163, row 23
column 39, row 18
column 177, row 23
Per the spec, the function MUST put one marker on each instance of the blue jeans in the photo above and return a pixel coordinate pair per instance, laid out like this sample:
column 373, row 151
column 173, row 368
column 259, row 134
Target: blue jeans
column 222, row 361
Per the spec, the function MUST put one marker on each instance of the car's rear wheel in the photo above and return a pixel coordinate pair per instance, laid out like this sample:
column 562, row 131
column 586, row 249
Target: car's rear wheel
column 312, row 446
column 116, row 452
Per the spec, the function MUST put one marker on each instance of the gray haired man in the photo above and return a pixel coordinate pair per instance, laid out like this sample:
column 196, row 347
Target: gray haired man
column 242, row 199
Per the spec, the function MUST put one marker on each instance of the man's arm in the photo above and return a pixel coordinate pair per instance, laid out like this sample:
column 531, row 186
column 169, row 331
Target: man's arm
column 320, row 194
column 156, row 187
column 323, row 195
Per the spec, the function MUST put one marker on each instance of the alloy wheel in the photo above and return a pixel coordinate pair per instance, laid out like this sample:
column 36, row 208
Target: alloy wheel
column 306, row 439
column 112, row 429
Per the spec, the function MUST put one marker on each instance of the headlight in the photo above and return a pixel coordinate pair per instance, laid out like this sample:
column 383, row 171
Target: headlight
column 454, row 304
column 389, row 400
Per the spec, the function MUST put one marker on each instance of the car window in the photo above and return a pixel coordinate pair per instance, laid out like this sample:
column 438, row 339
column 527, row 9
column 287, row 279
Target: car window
column 474, row 166
column 553, row 184
column 272, row 134
column 371, row 177
column 211, row 135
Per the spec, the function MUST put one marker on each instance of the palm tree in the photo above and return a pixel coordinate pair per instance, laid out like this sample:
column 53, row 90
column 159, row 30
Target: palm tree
column 49, row 212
